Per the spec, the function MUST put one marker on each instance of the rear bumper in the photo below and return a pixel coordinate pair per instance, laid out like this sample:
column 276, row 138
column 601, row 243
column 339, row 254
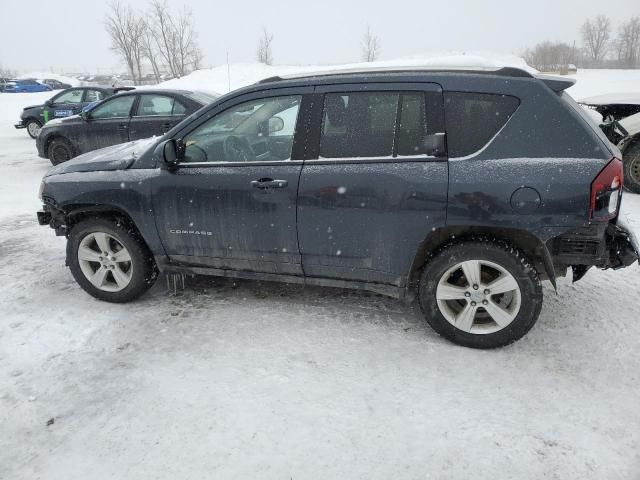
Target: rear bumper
column 610, row 245
column 622, row 244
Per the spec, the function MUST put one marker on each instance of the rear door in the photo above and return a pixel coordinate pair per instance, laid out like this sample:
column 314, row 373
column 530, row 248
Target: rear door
column 155, row 115
column 372, row 187
column 107, row 124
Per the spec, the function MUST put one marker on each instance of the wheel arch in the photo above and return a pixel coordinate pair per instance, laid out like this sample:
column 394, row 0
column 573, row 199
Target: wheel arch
column 78, row 212
column 56, row 136
column 533, row 247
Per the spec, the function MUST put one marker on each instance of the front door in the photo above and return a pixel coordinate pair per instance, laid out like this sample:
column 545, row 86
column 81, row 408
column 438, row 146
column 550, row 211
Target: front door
column 107, row 124
column 232, row 203
column 374, row 184
column 155, row 115
column 64, row 104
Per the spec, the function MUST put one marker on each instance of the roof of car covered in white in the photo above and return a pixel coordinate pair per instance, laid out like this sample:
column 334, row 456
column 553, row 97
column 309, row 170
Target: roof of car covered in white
column 631, row 98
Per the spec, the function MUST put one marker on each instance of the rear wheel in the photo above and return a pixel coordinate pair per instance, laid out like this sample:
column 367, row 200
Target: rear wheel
column 480, row 294
column 110, row 261
column 631, row 161
column 33, row 127
column 60, row 150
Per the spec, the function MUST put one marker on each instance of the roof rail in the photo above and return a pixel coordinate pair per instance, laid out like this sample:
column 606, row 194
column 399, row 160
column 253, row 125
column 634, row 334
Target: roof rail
column 501, row 71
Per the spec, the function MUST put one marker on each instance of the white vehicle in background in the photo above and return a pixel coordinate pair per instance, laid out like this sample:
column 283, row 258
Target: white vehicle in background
column 621, row 124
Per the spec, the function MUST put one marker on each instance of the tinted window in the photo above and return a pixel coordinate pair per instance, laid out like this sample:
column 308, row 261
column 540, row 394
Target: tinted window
column 413, row 125
column 178, row 108
column 159, row 105
column 114, row 108
column 93, row 96
column 72, row 96
column 258, row 130
column 473, row 119
column 358, row 125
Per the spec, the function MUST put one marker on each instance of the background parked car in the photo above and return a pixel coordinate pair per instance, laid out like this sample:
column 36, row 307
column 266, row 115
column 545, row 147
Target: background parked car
column 121, row 118
column 25, row 85
column 621, row 124
column 66, row 103
column 3, row 82
column 55, row 84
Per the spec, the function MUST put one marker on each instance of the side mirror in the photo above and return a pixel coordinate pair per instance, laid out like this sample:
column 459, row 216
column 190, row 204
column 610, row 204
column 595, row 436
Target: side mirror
column 84, row 115
column 436, row 145
column 276, row 124
column 173, row 153
column 48, row 103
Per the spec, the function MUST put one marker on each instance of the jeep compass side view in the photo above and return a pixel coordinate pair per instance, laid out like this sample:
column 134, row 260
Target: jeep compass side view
column 465, row 188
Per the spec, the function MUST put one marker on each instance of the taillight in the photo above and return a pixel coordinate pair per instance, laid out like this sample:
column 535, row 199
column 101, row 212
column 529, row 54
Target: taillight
column 605, row 192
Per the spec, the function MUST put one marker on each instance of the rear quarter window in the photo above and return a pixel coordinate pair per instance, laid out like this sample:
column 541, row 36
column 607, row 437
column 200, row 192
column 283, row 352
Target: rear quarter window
column 473, row 119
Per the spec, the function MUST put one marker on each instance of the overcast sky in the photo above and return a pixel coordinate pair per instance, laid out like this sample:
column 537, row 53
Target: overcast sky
column 69, row 35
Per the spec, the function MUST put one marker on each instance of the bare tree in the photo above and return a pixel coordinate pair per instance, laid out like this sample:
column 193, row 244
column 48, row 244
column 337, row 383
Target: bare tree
column 628, row 43
column 150, row 52
column 370, row 46
column 175, row 38
column 7, row 72
column 123, row 26
column 595, row 35
column 264, row 52
column 550, row 56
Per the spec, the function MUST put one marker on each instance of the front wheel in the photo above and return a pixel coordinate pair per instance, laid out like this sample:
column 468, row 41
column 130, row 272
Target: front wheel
column 632, row 168
column 480, row 294
column 109, row 260
column 33, row 127
column 60, row 150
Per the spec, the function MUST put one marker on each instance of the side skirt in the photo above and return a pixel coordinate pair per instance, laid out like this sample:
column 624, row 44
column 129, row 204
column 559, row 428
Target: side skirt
column 387, row 290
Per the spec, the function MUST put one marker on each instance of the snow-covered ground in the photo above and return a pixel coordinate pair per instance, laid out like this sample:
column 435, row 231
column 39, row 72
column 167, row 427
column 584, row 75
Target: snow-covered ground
column 252, row 380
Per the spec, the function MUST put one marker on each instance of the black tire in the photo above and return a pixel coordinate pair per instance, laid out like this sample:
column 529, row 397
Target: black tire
column 60, row 150
column 31, row 125
column 631, row 162
column 144, row 271
column 499, row 253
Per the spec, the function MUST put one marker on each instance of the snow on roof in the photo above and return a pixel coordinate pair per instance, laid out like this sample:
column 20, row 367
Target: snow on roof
column 243, row 74
column 613, row 99
column 74, row 82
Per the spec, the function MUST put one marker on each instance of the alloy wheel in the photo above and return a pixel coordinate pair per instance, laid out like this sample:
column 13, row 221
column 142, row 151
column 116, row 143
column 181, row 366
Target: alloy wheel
column 478, row 297
column 105, row 262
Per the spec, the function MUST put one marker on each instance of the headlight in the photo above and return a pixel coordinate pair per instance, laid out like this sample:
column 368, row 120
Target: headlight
column 41, row 190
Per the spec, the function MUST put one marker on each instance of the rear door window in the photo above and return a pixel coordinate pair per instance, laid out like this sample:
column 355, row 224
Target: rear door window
column 473, row 119
column 359, row 124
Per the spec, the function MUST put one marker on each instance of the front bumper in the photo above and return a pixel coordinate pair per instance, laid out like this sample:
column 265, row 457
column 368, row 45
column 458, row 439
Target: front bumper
column 44, row 217
column 20, row 124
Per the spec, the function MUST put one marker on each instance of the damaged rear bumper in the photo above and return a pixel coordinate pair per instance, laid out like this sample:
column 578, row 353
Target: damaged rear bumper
column 622, row 245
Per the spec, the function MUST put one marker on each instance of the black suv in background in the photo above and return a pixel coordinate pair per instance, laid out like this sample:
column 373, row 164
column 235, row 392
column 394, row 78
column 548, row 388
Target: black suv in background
column 121, row 118
column 64, row 104
column 465, row 188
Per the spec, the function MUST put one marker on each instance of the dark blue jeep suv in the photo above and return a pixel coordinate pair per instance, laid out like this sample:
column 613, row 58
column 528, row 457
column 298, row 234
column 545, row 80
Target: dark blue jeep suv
column 463, row 188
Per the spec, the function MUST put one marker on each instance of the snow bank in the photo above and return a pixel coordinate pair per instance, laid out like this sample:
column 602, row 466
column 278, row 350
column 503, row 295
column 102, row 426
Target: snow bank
column 74, row 82
column 222, row 79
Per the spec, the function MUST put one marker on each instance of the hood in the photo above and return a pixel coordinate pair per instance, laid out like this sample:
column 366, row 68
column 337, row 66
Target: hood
column 631, row 124
column 116, row 157
column 33, row 106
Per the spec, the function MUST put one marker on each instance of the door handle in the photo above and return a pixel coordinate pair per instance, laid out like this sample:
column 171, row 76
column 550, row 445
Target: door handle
column 123, row 126
column 265, row 183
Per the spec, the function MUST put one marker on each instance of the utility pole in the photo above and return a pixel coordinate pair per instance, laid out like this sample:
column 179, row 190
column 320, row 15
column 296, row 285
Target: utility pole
column 228, row 72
